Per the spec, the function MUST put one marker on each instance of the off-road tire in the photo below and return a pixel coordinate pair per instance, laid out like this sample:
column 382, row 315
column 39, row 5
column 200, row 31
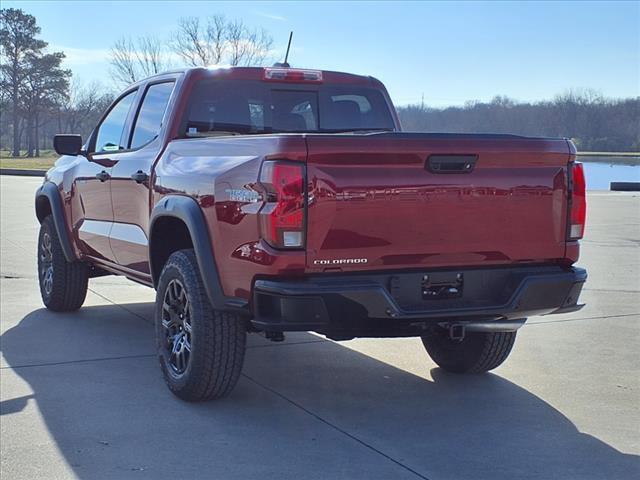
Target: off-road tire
column 478, row 352
column 217, row 339
column 63, row 284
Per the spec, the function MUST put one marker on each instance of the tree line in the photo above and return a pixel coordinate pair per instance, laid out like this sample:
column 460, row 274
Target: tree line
column 39, row 98
column 593, row 122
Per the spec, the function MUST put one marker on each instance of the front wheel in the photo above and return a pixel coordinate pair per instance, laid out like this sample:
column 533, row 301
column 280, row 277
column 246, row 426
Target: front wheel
column 477, row 352
column 63, row 285
column 201, row 350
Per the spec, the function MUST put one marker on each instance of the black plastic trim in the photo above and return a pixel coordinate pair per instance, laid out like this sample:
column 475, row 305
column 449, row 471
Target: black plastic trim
column 188, row 211
column 325, row 303
column 624, row 186
column 67, row 144
column 49, row 190
column 451, row 163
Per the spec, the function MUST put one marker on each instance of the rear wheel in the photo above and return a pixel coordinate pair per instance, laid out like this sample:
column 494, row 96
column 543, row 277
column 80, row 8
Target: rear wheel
column 63, row 285
column 201, row 350
column 477, row 352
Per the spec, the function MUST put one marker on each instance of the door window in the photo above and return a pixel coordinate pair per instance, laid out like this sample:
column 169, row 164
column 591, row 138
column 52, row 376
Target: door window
column 149, row 120
column 109, row 137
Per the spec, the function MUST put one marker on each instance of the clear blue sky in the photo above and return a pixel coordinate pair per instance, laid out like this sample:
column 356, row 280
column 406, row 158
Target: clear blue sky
column 450, row 52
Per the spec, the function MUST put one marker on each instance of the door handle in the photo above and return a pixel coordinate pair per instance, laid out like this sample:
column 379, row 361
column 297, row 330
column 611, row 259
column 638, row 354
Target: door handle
column 140, row 176
column 103, row 176
column 451, row 163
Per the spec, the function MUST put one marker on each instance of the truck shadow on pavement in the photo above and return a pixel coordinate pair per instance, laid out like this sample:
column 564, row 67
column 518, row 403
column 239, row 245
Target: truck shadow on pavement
column 307, row 408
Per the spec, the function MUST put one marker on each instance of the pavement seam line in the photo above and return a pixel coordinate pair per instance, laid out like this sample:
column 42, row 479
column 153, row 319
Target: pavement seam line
column 335, row 427
column 68, row 362
column 122, row 307
column 275, row 344
column 583, row 318
column 16, row 245
column 609, row 290
column 93, row 291
column 101, row 359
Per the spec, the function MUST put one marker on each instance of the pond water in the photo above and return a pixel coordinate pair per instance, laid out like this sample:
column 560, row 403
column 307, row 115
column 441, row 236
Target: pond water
column 601, row 171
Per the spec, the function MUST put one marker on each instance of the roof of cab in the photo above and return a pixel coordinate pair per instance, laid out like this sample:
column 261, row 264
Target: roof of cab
column 257, row 73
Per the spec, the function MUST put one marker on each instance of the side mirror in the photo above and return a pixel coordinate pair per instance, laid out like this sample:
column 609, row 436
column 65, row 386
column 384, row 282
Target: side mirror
column 67, row 144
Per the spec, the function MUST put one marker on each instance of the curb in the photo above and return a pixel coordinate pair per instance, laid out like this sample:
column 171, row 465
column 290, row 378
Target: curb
column 625, row 186
column 22, row 172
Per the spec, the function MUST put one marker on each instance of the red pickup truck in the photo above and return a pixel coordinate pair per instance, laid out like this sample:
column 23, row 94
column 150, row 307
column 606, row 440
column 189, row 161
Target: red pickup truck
column 280, row 199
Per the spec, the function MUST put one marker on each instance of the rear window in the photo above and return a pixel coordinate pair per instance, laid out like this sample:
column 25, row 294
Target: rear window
column 255, row 107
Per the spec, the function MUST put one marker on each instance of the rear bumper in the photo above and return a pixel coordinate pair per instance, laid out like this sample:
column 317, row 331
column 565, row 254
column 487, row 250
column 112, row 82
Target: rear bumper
column 393, row 304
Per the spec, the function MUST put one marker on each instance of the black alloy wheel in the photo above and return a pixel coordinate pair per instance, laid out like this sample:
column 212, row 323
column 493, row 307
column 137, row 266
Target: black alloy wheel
column 46, row 263
column 176, row 323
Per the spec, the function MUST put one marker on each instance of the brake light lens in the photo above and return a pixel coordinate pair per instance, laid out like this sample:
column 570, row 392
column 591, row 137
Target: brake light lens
column 293, row 75
column 578, row 214
column 282, row 219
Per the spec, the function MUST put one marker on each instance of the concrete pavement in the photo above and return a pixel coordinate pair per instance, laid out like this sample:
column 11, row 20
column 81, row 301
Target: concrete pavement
column 82, row 395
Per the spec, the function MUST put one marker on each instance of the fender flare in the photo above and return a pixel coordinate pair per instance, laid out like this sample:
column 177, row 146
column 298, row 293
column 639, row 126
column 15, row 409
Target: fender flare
column 50, row 192
column 188, row 211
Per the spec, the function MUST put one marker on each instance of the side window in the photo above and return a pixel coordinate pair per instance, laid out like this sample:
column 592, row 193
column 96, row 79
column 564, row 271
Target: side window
column 149, row 120
column 110, row 130
column 256, row 111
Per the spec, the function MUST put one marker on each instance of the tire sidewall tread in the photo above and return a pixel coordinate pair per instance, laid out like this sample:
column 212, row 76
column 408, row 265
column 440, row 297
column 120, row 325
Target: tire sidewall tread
column 478, row 352
column 70, row 279
column 218, row 338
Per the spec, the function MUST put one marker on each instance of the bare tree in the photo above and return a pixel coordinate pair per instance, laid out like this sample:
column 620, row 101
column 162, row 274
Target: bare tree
column 219, row 41
column 86, row 103
column 237, row 43
column 216, row 35
column 200, row 45
column 131, row 61
column 123, row 61
column 260, row 43
column 150, row 56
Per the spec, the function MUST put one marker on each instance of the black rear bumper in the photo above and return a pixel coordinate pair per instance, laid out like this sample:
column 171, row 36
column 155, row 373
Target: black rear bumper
column 397, row 304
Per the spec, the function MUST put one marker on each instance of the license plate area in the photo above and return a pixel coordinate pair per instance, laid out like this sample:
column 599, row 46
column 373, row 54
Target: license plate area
column 442, row 285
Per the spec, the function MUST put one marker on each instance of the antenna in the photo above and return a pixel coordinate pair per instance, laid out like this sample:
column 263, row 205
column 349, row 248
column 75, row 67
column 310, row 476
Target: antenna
column 286, row 57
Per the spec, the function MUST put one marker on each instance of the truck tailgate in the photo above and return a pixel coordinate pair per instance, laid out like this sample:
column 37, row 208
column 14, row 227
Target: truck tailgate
column 403, row 200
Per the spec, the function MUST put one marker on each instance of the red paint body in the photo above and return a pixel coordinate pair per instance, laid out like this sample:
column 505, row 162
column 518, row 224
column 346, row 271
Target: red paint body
column 369, row 197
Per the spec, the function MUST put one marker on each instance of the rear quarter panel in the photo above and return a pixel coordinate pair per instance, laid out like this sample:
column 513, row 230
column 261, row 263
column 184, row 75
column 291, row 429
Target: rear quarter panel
column 221, row 175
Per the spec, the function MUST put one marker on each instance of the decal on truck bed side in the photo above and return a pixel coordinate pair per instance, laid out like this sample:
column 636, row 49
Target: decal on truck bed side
column 340, row 261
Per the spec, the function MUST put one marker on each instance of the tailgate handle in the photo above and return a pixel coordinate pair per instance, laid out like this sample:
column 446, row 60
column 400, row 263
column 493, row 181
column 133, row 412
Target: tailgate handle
column 451, row 163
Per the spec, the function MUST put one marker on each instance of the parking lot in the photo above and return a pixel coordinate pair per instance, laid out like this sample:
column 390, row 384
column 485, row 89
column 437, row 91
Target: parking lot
column 82, row 394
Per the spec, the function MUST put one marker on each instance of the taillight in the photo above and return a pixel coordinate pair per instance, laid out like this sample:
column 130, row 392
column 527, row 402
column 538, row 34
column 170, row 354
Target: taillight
column 294, row 75
column 282, row 216
column 578, row 214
